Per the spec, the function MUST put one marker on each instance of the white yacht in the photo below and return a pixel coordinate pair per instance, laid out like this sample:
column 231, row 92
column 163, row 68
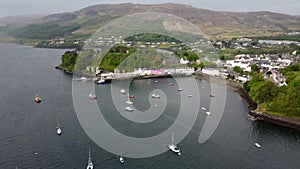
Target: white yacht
column 173, row 147
column 90, row 163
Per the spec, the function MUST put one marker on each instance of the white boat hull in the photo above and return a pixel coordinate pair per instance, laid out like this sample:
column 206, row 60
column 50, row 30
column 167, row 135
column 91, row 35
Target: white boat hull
column 175, row 149
column 58, row 131
column 90, row 166
column 257, row 145
column 128, row 109
column 121, row 159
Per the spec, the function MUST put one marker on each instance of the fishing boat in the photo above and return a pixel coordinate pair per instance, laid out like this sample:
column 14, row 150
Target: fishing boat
column 131, row 96
column 155, row 96
column 123, row 91
column 171, row 84
column 257, row 145
column 189, row 95
column 128, row 108
column 90, row 163
column 173, row 147
column 37, row 99
column 58, row 128
column 92, row 96
column 212, row 95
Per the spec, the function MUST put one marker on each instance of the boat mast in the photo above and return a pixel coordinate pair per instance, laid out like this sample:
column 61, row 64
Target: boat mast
column 172, row 137
column 90, row 158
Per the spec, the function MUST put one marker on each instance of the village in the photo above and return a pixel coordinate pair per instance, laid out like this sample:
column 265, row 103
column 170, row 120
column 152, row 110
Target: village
column 237, row 69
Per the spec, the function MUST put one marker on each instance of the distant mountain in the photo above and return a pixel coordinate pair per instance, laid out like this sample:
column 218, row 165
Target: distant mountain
column 216, row 24
column 20, row 20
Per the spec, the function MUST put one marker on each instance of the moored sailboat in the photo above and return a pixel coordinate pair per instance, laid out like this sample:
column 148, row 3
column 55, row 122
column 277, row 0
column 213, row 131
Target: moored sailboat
column 58, row 128
column 90, row 163
column 173, row 147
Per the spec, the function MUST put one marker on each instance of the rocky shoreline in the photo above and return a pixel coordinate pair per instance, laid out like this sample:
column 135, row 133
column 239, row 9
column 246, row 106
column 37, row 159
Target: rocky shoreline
column 284, row 121
column 277, row 120
column 63, row 69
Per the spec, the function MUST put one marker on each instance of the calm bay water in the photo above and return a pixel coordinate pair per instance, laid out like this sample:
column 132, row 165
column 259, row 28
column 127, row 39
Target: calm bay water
column 27, row 128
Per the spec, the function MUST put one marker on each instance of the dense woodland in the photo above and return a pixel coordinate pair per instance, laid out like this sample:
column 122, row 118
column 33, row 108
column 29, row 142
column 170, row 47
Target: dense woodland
column 283, row 100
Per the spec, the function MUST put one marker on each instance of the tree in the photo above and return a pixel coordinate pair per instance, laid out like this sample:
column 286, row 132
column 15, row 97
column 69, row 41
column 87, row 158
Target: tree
column 254, row 68
column 222, row 57
column 238, row 69
column 201, row 65
column 192, row 57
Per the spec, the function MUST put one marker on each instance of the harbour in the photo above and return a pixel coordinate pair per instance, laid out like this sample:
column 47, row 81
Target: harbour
column 29, row 140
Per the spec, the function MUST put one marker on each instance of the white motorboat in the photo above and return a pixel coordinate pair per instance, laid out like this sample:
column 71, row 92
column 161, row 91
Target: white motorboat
column 155, row 96
column 58, row 129
column 203, row 108
column 92, row 96
column 257, row 145
column 83, row 78
column 180, row 89
column 123, row 91
column 101, row 81
column 173, row 147
column 128, row 108
column 121, row 159
column 189, row 95
column 90, row 163
column 208, row 113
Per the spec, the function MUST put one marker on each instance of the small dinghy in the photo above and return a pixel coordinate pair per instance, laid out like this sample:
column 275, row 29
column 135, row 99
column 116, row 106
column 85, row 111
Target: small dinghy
column 37, row 99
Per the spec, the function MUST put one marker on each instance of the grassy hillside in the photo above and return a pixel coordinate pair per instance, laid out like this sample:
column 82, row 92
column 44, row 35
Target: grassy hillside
column 213, row 23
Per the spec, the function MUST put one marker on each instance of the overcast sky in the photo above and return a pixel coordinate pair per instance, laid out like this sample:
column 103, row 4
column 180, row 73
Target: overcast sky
column 21, row 7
